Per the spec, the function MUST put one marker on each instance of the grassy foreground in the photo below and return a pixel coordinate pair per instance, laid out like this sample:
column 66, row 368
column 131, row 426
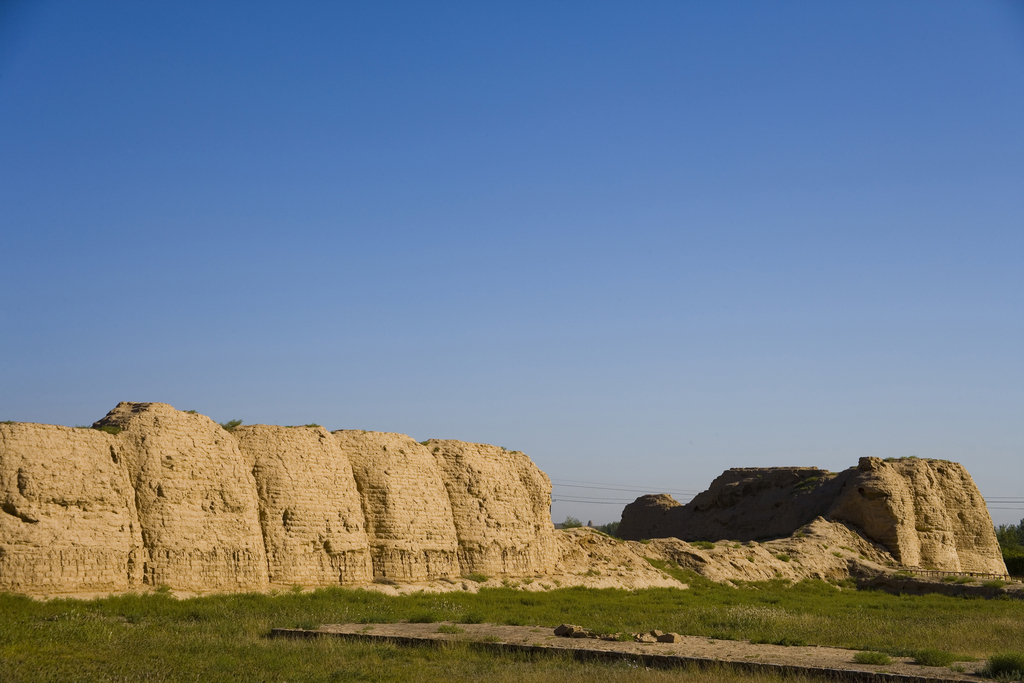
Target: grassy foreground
column 158, row 638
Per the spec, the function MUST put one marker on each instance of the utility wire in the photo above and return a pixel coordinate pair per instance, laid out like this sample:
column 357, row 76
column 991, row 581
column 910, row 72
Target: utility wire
column 589, row 502
column 618, row 486
column 606, row 488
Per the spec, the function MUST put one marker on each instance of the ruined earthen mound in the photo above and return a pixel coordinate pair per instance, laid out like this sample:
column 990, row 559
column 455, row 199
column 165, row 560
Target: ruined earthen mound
column 818, row 550
column 925, row 513
column 153, row 496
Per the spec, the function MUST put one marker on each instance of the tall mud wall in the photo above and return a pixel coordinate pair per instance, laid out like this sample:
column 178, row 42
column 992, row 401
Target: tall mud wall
column 314, row 530
column 408, row 516
column 501, row 508
column 171, row 498
column 926, row 513
column 68, row 520
column 195, row 496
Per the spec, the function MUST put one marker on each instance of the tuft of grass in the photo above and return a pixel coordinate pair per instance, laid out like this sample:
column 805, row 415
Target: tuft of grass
column 426, row 617
column 997, row 583
column 109, row 429
column 449, row 628
column 311, row 424
column 964, row 579
column 869, row 657
column 1005, row 666
column 230, row 425
column 786, row 640
column 782, row 556
column 703, row 545
column 934, row 657
column 476, row 577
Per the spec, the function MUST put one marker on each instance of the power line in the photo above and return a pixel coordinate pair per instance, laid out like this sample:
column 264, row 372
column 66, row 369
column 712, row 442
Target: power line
column 573, row 483
column 620, row 501
column 609, row 488
column 589, row 502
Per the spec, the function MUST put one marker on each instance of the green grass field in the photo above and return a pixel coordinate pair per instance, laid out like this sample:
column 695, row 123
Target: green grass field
column 157, row 638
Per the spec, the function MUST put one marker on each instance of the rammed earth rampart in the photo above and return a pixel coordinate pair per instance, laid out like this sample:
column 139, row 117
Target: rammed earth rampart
column 174, row 499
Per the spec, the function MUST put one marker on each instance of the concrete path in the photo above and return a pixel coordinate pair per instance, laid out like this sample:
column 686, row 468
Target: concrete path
column 828, row 662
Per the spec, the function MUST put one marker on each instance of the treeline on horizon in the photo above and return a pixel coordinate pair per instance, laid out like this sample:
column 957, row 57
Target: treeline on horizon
column 1011, row 542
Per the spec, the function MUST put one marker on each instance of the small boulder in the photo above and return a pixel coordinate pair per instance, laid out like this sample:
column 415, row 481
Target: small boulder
column 670, row 638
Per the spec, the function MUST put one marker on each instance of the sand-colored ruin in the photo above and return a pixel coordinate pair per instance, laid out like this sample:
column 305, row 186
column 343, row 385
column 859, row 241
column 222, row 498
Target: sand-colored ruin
column 170, row 498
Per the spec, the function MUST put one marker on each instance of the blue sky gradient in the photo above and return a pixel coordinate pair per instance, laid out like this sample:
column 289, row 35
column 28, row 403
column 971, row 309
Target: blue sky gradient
column 641, row 242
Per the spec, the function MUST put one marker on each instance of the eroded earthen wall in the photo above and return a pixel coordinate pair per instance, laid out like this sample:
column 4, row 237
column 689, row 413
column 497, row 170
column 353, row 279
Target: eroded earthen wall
column 310, row 512
column 501, row 506
column 926, row 513
column 929, row 513
column 67, row 512
column 195, row 496
column 408, row 516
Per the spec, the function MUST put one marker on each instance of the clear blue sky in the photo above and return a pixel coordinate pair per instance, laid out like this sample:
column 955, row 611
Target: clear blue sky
column 641, row 242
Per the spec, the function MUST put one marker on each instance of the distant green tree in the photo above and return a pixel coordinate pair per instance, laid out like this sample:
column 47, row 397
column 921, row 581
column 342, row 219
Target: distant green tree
column 571, row 523
column 1010, row 535
column 1011, row 543
column 230, row 425
column 611, row 528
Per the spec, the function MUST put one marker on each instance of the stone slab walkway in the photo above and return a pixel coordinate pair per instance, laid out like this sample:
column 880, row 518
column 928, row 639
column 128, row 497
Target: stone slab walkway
column 827, row 662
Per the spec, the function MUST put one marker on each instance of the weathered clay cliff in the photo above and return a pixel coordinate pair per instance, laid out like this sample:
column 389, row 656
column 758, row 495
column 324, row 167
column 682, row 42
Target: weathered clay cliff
column 195, row 496
column 926, row 513
column 929, row 513
column 310, row 511
column 153, row 496
column 502, row 508
column 166, row 497
column 408, row 516
column 68, row 520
